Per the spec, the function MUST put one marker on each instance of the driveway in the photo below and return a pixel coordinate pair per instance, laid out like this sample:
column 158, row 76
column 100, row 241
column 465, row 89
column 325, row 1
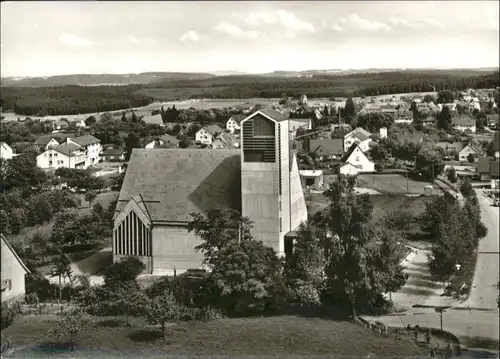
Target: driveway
column 484, row 291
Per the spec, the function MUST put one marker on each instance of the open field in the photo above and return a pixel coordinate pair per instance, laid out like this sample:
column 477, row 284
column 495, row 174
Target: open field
column 395, row 183
column 286, row 335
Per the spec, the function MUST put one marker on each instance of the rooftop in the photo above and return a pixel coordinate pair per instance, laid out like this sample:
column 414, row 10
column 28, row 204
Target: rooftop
column 67, row 149
column 85, row 140
column 327, row 147
column 192, row 180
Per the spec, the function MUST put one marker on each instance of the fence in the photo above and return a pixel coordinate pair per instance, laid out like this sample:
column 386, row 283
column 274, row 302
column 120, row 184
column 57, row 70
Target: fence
column 45, row 308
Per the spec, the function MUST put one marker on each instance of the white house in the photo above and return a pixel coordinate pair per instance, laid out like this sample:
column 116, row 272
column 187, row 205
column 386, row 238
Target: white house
column 356, row 158
column 464, row 124
column 311, row 178
column 78, row 122
column 91, row 145
column 6, row 152
column 468, row 150
column 46, row 142
column 233, row 124
column 13, row 273
column 296, row 123
column 60, row 124
column 303, row 99
column 67, row 155
column 359, row 136
column 404, row 117
column 164, row 141
column 207, row 134
column 225, row 141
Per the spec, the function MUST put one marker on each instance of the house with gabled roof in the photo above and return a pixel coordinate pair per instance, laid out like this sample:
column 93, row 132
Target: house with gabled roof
column 463, row 124
column 6, row 152
column 163, row 141
column 233, row 123
column 470, row 149
column 60, row 124
column 67, row 155
column 154, row 120
column 13, row 273
column 356, row 161
column 327, row 150
column 359, row 136
column 225, row 141
column 206, row 135
column 91, row 145
column 46, row 142
column 261, row 180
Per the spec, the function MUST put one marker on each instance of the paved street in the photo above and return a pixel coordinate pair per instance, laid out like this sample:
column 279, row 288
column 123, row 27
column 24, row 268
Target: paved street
column 484, row 291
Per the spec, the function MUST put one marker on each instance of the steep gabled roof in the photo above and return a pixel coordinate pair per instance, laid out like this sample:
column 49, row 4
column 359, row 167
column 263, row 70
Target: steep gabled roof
column 327, row 147
column 474, row 147
column 359, row 133
column 7, row 244
column 237, row 118
column 349, row 152
column 153, row 119
column 271, row 113
column 44, row 140
column 213, row 129
column 176, row 182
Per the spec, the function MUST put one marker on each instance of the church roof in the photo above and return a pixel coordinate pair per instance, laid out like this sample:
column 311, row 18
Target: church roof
column 175, row 182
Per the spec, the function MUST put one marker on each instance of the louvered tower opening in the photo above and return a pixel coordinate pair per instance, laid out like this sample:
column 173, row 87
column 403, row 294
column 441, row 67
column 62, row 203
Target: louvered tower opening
column 259, row 140
column 279, row 158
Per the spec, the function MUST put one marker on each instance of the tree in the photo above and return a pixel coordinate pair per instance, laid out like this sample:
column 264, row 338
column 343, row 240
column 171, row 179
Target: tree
column 134, row 117
column 429, row 163
column 163, row 309
column 42, row 210
column 378, row 153
column 246, row 279
column 21, row 172
column 8, row 315
column 217, row 229
column 356, row 273
column 90, row 121
column 62, row 269
column 123, row 272
column 69, row 326
column 444, row 119
column 445, row 96
column 429, row 98
column 124, row 117
column 304, row 266
column 4, row 221
column 466, row 188
column 128, row 299
column 471, row 158
column 451, row 174
column 184, row 141
column 131, row 141
column 90, row 196
column 349, row 109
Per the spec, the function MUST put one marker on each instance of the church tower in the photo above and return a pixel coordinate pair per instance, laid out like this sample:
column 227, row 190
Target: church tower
column 272, row 195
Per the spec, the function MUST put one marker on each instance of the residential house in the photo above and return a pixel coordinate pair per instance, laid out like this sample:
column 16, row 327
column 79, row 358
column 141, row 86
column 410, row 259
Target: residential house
column 46, row 142
column 327, row 150
column 60, row 124
column 154, row 120
column 470, row 149
column 311, row 178
column 207, row 134
column 80, row 123
column 112, row 154
column 296, row 123
column 6, row 152
column 13, row 274
column 359, row 136
column 464, row 124
column 451, row 150
column 162, row 187
column 164, row 141
column 303, row 99
column 91, row 145
column 429, row 121
column 226, row 141
column 404, row 117
column 233, row 124
column 355, row 161
column 67, row 155
column 493, row 121
column 451, row 106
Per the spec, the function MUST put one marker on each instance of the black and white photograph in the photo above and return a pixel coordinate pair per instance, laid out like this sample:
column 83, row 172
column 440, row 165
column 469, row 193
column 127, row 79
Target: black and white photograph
column 250, row 179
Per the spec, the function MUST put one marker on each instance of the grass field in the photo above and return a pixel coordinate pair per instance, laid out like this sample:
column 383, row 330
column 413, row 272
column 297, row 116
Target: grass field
column 285, row 336
column 395, row 183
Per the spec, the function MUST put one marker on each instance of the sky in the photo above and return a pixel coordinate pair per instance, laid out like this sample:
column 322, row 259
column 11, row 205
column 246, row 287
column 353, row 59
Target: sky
column 74, row 37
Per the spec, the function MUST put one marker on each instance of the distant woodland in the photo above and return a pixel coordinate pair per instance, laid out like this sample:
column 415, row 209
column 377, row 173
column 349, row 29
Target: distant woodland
column 67, row 100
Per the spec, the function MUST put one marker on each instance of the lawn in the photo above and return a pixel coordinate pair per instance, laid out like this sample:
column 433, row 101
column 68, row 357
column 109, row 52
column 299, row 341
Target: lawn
column 285, row 336
column 395, row 183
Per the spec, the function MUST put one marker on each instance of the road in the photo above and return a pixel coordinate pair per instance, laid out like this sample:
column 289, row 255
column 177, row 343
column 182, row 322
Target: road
column 484, row 291
column 477, row 319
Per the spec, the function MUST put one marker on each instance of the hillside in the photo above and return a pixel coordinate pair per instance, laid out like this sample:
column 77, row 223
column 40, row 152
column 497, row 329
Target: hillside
column 100, row 79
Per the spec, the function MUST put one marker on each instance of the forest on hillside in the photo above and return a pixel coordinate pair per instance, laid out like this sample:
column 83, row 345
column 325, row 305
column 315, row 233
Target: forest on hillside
column 68, row 100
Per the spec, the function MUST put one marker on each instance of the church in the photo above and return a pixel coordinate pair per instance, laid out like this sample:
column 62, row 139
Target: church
column 163, row 186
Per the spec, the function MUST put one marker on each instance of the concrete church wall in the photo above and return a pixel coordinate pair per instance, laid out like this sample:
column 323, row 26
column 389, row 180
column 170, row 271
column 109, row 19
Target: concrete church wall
column 173, row 247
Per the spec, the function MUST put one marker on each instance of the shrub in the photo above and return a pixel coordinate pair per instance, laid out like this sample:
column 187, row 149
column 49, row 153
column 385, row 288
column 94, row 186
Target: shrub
column 8, row 315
